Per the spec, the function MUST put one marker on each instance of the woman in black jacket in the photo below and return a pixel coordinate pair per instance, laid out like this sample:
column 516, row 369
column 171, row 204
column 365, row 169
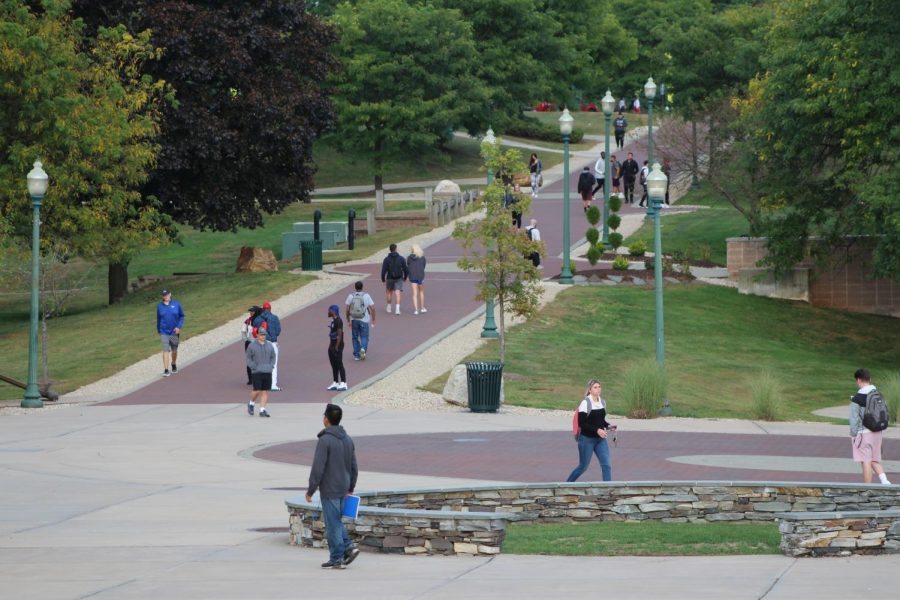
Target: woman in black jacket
column 593, row 433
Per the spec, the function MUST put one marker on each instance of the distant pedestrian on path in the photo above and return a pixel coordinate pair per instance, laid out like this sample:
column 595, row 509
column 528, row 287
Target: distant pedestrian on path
column 620, row 124
column 247, row 333
column 535, row 168
column 593, row 433
column 636, row 105
column 616, row 167
column 415, row 264
column 630, row 169
column 534, row 234
column 866, row 443
column 621, row 106
column 333, row 474
column 645, row 173
column 336, row 348
column 585, row 187
column 261, row 360
column 510, row 201
column 169, row 321
column 600, row 173
column 393, row 273
column 272, row 324
column 360, row 314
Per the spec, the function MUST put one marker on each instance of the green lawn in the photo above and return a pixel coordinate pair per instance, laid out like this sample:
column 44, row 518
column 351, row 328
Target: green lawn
column 699, row 234
column 716, row 340
column 592, row 123
column 647, row 538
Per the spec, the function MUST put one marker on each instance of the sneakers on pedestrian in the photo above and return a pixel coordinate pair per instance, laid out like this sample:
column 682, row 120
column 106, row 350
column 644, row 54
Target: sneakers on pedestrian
column 174, row 369
column 397, row 312
column 333, row 564
column 424, row 310
column 350, row 555
column 415, row 312
column 166, row 373
column 389, row 308
column 362, row 354
column 342, row 386
column 250, row 408
column 264, row 413
column 333, row 386
column 355, row 357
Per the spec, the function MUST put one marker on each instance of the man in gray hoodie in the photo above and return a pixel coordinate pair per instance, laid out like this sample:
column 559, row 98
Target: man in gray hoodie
column 261, row 362
column 334, row 474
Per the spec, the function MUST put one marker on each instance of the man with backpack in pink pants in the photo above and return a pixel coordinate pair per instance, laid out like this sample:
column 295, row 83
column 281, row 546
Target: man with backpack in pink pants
column 868, row 418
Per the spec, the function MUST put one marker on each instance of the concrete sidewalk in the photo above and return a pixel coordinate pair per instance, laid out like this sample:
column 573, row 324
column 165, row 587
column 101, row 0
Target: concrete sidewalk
column 167, row 502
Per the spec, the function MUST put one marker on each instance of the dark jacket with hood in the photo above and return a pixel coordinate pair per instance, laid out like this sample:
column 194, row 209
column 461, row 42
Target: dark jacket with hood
column 334, row 469
column 586, row 182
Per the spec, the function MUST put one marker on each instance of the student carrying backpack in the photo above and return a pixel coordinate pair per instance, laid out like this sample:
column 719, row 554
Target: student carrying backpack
column 358, row 306
column 868, row 419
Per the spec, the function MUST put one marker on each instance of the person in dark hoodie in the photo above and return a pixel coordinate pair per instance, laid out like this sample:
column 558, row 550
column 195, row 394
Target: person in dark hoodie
column 416, row 264
column 333, row 474
column 393, row 273
column 585, row 187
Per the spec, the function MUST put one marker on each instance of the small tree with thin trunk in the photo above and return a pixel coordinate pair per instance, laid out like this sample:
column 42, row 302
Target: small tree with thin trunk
column 496, row 249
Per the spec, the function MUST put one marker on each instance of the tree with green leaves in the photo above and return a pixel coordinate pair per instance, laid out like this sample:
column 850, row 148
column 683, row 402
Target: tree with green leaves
column 408, row 79
column 85, row 108
column 496, row 249
column 824, row 120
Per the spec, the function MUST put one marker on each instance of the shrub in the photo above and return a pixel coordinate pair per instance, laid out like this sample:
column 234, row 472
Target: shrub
column 890, row 389
column 592, row 236
column 649, row 264
column 535, row 130
column 620, row 263
column 615, row 239
column 594, row 253
column 645, row 390
column 637, row 248
column 615, row 203
column 614, row 221
column 766, row 394
column 593, row 215
column 572, row 266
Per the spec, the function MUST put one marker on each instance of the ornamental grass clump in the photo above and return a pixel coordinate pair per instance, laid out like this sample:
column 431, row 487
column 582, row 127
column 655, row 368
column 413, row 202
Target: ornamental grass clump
column 645, row 390
column 889, row 386
column 766, row 396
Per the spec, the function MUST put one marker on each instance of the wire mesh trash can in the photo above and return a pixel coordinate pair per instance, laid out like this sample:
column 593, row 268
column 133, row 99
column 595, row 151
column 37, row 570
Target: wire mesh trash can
column 484, row 379
column 311, row 259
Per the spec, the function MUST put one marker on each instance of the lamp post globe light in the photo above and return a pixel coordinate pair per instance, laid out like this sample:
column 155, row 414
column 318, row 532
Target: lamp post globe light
column 609, row 105
column 565, row 128
column 650, row 93
column 489, row 329
column 37, row 188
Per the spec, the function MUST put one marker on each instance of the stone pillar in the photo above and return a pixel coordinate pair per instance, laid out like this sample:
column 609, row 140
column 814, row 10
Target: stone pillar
column 429, row 198
column 370, row 221
column 379, row 201
column 433, row 217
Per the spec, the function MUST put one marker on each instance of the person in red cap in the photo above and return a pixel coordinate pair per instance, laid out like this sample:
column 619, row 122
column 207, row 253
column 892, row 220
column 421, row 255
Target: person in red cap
column 272, row 324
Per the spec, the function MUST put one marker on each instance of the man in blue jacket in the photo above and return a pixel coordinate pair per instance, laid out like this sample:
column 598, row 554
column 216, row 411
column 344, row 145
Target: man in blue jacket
column 333, row 474
column 169, row 321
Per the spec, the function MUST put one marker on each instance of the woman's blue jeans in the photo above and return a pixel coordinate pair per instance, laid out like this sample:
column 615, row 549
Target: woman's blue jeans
column 335, row 532
column 586, row 447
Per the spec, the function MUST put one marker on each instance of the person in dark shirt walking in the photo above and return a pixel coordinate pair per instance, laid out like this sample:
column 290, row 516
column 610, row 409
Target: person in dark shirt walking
column 630, row 170
column 393, row 273
column 169, row 321
column 620, row 124
column 593, row 433
column 333, row 474
column 585, row 187
column 336, row 348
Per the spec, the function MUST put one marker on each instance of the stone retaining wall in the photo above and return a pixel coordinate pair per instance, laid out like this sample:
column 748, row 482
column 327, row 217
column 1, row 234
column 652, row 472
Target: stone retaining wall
column 473, row 520
column 404, row 531
column 672, row 502
column 840, row 534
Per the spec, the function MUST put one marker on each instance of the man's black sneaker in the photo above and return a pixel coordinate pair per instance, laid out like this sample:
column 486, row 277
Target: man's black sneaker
column 249, row 409
column 174, row 369
column 166, row 373
column 264, row 413
column 350, row 555
column 333, row 564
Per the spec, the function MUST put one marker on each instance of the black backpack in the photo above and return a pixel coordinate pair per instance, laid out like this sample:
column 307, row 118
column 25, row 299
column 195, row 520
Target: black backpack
column 395, row 267
column 875, row 417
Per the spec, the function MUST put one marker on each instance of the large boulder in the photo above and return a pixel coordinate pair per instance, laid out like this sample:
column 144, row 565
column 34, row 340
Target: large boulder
column 456, row 390
column 256, row 260
column 446, row 187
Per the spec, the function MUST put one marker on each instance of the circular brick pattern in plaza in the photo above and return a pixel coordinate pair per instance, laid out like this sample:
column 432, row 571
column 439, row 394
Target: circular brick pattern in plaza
column 538, row 456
